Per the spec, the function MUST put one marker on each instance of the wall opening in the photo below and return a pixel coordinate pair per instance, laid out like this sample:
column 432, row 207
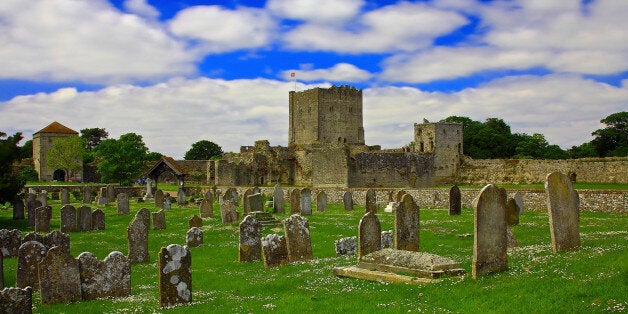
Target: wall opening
column 58, row 175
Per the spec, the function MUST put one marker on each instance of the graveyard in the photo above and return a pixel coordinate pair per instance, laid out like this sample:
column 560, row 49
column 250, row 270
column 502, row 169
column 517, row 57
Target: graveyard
column 591, row 278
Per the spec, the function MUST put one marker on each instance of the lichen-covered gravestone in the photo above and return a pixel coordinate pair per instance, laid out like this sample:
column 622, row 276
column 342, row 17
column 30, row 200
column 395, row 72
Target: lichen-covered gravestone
column 68, row 218
column 278, row 200
column 144, row 214
column 274, row 250
column 42, row 218
column 347, row 200
column 57, row 238
column 65, row 197
column 84, row 220
column 369, row 234
column 206, row 208
column 321, row 201
column 10, row 241
column 59, row 277
column 407, row 225
column 175, row 275
column 33, row 236
column 228, row 212
column 137, row 236
column 123, row 204
column 195, row 221
column 87, row 195
column 108, row 278
column 346, row 246
column 194, row 237
column 489, row 242
column 98, row 220
column 306, row 201
column 246, row 206
column 16, row 300
column 297, row 230
column 18, row 209
column 387, row 239
column 28, row 258
column 295, row 201
column 455, row 201
column 371, row 201
column 563, row 208
column 255, row 202
column 159, row 199
column 250, row 247
column 159, row 220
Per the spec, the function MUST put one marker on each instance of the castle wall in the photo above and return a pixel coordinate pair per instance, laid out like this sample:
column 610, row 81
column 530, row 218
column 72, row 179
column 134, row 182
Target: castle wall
column 444, row 140
column 380, row 169
column 330, row 167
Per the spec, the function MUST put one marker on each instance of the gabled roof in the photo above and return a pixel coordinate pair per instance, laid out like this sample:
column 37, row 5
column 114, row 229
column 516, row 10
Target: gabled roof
column 167, row 162
column 56, row 127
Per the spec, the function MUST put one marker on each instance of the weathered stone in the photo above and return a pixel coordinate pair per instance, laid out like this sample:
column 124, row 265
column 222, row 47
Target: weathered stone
column 111, row 192
column 380, row 276
column 144, row 214
column 31, row 206
column 255, row 202
column 295, row 201
column 18, row 209
column 250, row 247
column 278, row 200
column 98, row 220
column 387, row 239
column 564, row 212
column 42, row 218
column 455, row 201
column 102, row 200
column 194, row 237
column 137, row 236
column 399, row 195
column 65, row 197
column 297, row 230
column 519, row 200
column 371, row 201
column 159, row 199
column 246, row 207
column 347, row 200
column 228, row 212
column 306, row 201
column 84, row 218
column 42, row 197
column 16, row 300
column 33, row 236
column 159, row 220
column 489, row 244
column 28, row 258
column 510, row 238
column 175, row 275
column 181, row 197
column 195, row 221
column 346, row 246
column 102, row 279
column 407, row 225
column 369, row 234
column 10, row 241
column 231, row 195
column 68, row 218
column 512, row 212
column 167, row 202
column 207, row 208
column 321, row 201
column 149, row 189
column 57, row 238
column 59, row 277
column 123, row 204
column 274, row 250
column 420, row 264
column 87, row 194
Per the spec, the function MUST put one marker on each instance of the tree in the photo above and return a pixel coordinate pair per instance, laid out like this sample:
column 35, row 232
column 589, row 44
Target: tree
column 613, row 139
column 121, row 160
column 66, row 153
column 93, row 137
column 26, row 151
column 491, row 139
column 582, row 151
column 10, row 182
column 203, row 150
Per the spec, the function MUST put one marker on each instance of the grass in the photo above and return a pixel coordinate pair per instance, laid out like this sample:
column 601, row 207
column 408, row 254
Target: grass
column 592, row 279
column 540, row 186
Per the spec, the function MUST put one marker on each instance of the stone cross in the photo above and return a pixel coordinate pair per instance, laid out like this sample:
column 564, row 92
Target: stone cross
column 297, row 230
column 306, row 201
column 274, row 250
column 123, row 204
column 175, row 275
column 406, row 235
column 84, row 218
column 455, row 202
column 369, row 235
column 564, row 212
column 278, row 200
column 159, row 220
column 102, row 279
column 194, row 237
column 137, row 236
column 59, row 277
column 347, row 200
column 295, row 201
column 98, row 220
column 321, row 201
column 371, row 201
column 489, row 243
column 28, row 258
column 250, row 247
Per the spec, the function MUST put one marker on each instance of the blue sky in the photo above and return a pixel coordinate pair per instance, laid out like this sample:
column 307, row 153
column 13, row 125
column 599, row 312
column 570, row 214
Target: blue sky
column 177, row 72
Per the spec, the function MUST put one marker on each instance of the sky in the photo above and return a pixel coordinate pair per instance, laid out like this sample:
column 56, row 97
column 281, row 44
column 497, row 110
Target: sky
column 180, row 71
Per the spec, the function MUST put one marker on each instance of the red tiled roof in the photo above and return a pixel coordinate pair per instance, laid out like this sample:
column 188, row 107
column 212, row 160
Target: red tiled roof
column 57, row 127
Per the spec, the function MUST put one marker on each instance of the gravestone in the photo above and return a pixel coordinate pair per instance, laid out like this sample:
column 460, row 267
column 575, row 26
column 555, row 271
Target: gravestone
column 295, row 201
column 406, row 235
column 28, row 258
column 18, row 209
column 346, row 246
column 297, row 230
column 321, row 201
column 84, row 218
column 111, row 193
column 1, row 272
column 42, row 218
column 175, row 275
column 347, row 200
column 231, row 194
column 278, row 200
column 102, row 200
column 87, row 195
column 572, row 176
column 563, row 208
column 16, row 300
column 123, row 204
column 209, row 195
column 57, row 238
column 369, row 234
column 42, row 197
column 306, row 201
column 519, row 200
column 387, row 239
column 149, row 189
column 371, row 201
column 159, row 220
column 167, row 202
column 31, row 206
column 181, row 197
column 10, row 241
column 159, row 199
column 489, row 243
column 399, row 195
column 195, row 221
column 256, row 190
column 144, row 214
column 206, row 209
column 455, row 201
column 103, row 279
column 59, row 277
column 31, row 195
column 246, row 206
column 512, row 212
column 65, row 197
column 250, row 248
column 255, row 203
column 137, row 236
column 228, row 213
column 33, row 236
column 98, row 220
column 54, row 195
column 274, row 250
column 194, row 237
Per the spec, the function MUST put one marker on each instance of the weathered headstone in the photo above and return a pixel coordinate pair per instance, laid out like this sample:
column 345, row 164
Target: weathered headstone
column 297, row 230
column 42, row 197
column 228, row 212
column 144, row 214
column 10, row 241
column 572, row 176
column 18, row 209
column 28, row 258
column 159, row 220
column 563, row 208
column 255, row 202
column 246, row 207
column 111, row 193
column 231, row 194
column 512, row 212
column 149, row 189
column 137, row 236
column 33, row 236
column 42, row 218
column 98, row 220
column 108, row 278
column 57, row 238
column 102, row 200
column 123, row 204
column 31, row 206
column 369, row 234
column 84, row 218
column 306, row 201
column 194, row 237
column 347, row 200
column 371, row 201
column 274, row 250
column 206, row 209
column 87, row 194
column 195, row 221
column 346, row 246
column 16, row 300
column 181, row 196
column 278, row 200
column 399, row 195
column 65, row 196
column 321, row 201
column 250, row 247
column 407, row 225
column 489, row 243
column 455, row 201
column 59, row 277
column 175, row 275
column 54, row 195
column 387, row 239
column 159, row 199
column 167, row 202
column 295, row 201
column 519, row 200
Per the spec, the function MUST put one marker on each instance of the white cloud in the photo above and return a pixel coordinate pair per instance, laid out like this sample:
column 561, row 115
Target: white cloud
column 219, row 29
column 316, row 11
column 341, row 72
column 141, row 8
column 86, row 41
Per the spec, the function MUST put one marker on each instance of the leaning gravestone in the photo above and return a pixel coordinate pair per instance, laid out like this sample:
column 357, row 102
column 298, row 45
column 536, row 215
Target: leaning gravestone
column 194, row 237
column 489, row 243
column 195, row 221
column 250, row 249
column 295, row 201
column 57, row 238
column 28, row 258
column 278, row 201
column 159, row 199
column 306, row 201
column 84, row 220
column 98, row 220
column 137, row 236
column 104, row 279
column 407, row 225
column 31, row 206
column 455, row 201
column 297, row 230
column 65, row 197
column 42, row 218
column 371, row 201
column 347, row 200
column 512, row 212
column 59, row 277
column 10, row 241
column 123, row 204
column 18, row 209
column 274, row 250
column 175, row 275
column 159, row 220
column 246, row 207
column 563, row 208
column 369, row 235
column 321, row 201
column 255, row 202
column 345, row 246
column 206, row 209
column 16, row 300
column 87, row 195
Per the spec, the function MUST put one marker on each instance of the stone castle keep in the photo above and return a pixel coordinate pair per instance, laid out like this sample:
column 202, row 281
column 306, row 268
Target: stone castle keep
column 327, row 149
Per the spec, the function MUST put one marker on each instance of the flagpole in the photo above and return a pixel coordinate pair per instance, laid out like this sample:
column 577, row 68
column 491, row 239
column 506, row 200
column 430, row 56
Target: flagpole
column 293, row 77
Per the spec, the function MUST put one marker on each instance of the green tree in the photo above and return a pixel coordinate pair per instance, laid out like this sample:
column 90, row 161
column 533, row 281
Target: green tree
column 121, row 160
column 93, row 137
column 582, row 151
column 66, row 153
column 26, row 151
column 10, row 182
column 490, row 139
column 613, row 139
column 203, row 150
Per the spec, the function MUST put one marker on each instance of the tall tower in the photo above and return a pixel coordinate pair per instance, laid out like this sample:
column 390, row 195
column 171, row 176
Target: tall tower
column 326, row 115
column 444, row 141
column 42, row 142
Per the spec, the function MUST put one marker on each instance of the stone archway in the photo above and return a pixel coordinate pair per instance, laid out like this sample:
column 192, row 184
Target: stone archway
column 58, row 175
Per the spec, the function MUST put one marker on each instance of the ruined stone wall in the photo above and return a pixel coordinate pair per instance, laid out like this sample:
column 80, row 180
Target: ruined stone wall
column 385, row 169
column 444, row 140
column 331, row 167
column 196, row 170
column 522, row 171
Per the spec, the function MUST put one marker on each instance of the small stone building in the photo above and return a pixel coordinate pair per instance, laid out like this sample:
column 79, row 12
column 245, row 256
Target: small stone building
column 42, row 142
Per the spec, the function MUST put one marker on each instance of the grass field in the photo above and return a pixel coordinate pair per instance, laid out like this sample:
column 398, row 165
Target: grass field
column 593, row 279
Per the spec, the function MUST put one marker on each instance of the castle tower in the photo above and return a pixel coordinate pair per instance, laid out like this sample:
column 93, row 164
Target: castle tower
column 326, row 115
column 444, row 141
column 42, row 142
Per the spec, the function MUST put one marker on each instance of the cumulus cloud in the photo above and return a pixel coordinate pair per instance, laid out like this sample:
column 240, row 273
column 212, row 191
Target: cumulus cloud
column 316, row 11
column 141, row 8
column 341, row 72
column 61, row 40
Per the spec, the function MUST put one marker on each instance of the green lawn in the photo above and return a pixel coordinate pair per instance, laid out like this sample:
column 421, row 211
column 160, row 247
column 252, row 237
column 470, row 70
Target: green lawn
column 593, row 279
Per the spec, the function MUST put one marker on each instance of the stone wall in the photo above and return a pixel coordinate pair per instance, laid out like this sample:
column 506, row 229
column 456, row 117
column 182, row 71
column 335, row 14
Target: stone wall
column 391, row 170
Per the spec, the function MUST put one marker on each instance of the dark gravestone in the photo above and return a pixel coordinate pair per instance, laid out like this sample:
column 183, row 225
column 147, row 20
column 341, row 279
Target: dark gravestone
column 159, row 199
column 10, row 241
column 59, row 277
column 455, row 201
column 278, row 200
column 297, row 230
column 18, row 209
column 371, row 201
column 489, row 244
column 84, row 218
column 159, row 220
column 31, row 206
column 65, row 197
column 195, row 221
column 16, row 300
column 42, row 218
column 306, row 201
column 512, row 212
column 255, row 202
column 103, row 279
column 369, row 234
column 250, row 248
column 175, row 275
column 123, row 204
column 33, row 236
column 206, row 209
column 246, row 207
column 407, row 225
column 137, row 236
column 321, row 201
column 274, row 250
column 563, row 207
column 295, row 201
column 194, row 237
column 54, row 195
column 98, row 220
column 57, row 238
column 228, row 212
column 28, row 258
column 68, row 218
column 347, row 200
